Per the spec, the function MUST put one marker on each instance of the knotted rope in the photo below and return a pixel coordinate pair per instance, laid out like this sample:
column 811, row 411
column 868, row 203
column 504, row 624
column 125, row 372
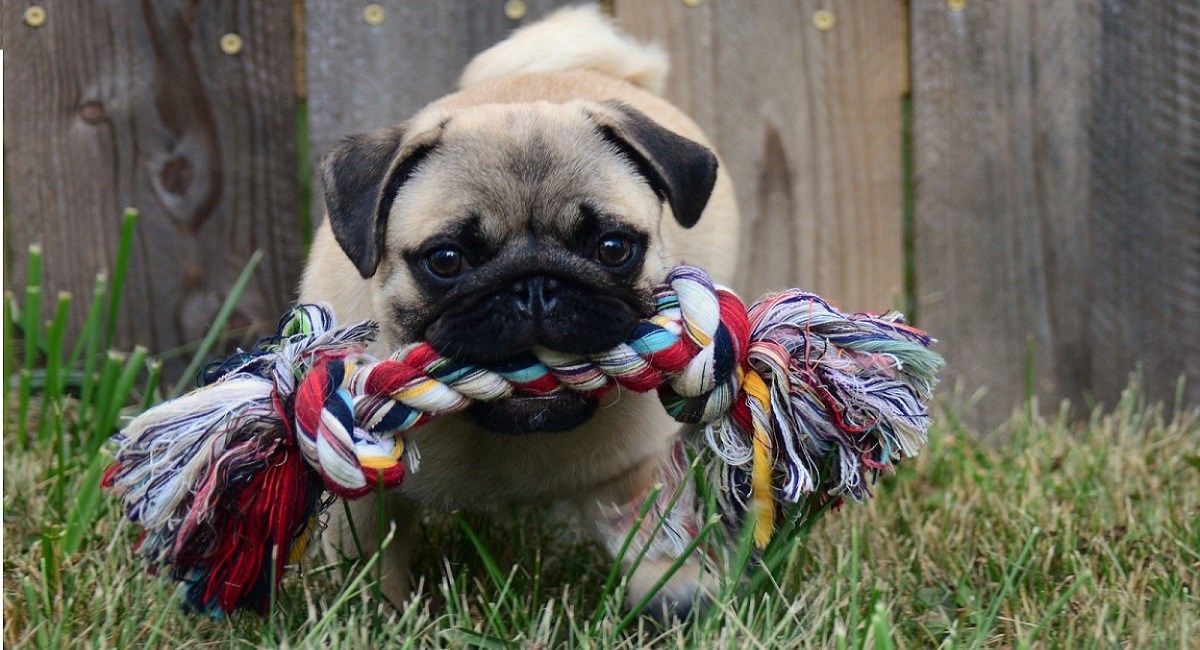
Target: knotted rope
column 795, row 398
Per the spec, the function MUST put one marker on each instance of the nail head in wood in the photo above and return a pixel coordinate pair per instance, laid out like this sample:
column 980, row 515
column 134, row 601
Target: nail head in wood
column 231, row 44
column 373, row 14
column 823, row 20
column 35, row 16
column 515, row 9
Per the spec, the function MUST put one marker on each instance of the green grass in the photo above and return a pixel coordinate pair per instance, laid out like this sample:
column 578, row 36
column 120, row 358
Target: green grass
column 1072, row 533
column 1076, row 534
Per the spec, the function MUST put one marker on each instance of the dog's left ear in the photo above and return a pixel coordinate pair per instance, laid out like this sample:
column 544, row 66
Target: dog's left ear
column 681, row 171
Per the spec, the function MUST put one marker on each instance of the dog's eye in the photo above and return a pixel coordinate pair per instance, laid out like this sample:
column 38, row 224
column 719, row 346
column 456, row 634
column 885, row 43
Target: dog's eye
column 446, row 262
column 614, row 250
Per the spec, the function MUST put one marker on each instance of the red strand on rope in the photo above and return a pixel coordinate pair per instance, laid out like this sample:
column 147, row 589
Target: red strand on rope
column 256, row 527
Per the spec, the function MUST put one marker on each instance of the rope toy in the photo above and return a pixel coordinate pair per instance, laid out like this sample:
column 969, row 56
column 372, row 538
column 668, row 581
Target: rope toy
column 795, row 398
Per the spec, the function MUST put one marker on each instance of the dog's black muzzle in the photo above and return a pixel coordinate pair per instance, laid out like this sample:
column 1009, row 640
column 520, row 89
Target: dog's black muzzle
column 562, row 314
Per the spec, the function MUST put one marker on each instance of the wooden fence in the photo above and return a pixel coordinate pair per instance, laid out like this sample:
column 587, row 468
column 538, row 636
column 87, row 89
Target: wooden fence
column 1049, row 174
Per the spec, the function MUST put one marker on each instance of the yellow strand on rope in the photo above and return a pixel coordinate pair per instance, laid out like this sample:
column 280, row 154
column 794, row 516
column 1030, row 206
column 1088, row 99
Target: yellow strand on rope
column 760, row 482
column 384, row 462
column 300, row 546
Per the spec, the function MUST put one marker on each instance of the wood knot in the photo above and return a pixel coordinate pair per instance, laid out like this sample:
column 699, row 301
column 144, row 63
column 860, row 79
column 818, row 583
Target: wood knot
column 191, row 277
column 92, row 112
column 177, row 175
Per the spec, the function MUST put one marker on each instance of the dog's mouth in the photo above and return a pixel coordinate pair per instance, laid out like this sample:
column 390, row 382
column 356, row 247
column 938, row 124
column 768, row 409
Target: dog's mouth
column 561, row 411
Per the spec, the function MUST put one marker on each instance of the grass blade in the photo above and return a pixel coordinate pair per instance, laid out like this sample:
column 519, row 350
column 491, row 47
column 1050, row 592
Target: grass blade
column 1057, row 606
column 119, row 397
column 52, row 391
column 33, row 605
column 855, row 546
column 352, row 587
column 784, row 540
column 31, row 331
column 493, row 571
column 881, row 628
column 33, row 306
column 464, row 638
column 685, row 484
column 82, row 515
column 106, row 385
column 91, row 339
column 10, row 337
column 1018, row 566
column 636, row 611
column 51, row 568
column 117, row 289
column 24, row 394
column 615, row 572
column 92, row 320
column 214, row 331
column 154, row 372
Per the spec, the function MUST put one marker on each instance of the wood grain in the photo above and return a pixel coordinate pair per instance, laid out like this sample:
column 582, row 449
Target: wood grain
column 808, row 124
column 1056, row 195
column 1144, row 138
column 134, row 104
column 1056, row 154
column 363, row 76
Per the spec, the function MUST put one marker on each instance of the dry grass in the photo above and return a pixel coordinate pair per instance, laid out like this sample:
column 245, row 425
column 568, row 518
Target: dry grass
column 1072, row 534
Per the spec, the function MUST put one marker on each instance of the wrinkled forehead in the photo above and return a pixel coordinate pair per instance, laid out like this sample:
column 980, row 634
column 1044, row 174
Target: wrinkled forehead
column 516, row 166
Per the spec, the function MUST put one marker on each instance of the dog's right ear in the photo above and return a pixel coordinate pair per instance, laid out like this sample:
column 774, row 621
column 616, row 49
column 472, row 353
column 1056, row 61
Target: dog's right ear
column 361, row 177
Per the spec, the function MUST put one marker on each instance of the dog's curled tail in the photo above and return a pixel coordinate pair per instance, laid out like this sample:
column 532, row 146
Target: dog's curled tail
column 570, row 39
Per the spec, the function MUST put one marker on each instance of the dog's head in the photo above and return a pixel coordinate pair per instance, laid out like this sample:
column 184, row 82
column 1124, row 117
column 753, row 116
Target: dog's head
column 489, row 230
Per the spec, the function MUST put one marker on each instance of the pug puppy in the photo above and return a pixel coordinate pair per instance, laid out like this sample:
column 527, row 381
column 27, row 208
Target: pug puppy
column 539, row 205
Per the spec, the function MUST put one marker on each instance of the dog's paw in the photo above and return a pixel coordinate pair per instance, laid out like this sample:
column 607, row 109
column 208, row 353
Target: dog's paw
column 669, row 608
column 685, row 597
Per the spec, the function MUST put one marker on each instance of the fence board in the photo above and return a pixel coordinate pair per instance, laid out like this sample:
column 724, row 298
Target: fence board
column 135, row 104
column 1042, row 218
column 808, row 123
column 1144, row 135
column 1057, row 158
column 362, row 76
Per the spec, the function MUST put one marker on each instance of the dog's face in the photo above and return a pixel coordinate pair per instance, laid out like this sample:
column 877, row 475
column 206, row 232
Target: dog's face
column 490, row 230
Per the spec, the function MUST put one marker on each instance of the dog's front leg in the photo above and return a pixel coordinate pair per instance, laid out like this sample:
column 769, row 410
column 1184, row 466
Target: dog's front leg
column 613, row 509
column 360, row 535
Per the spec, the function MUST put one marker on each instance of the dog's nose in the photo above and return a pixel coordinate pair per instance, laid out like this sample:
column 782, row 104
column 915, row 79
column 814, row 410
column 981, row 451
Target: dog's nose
column 534, row 296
